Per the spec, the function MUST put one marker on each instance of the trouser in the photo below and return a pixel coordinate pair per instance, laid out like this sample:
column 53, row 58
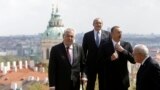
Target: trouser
column 91, row 75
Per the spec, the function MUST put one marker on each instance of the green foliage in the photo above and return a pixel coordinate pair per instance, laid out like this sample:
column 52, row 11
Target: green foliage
column 38, row 86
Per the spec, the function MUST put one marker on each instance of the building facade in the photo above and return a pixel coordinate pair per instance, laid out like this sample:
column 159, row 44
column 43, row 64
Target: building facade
column 53, row 34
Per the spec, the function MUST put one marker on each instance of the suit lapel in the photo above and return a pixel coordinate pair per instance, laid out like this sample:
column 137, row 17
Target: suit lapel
column 142, row 67
column 110, row 46
column 74, row 53
column 102, row 37
column 92, row 38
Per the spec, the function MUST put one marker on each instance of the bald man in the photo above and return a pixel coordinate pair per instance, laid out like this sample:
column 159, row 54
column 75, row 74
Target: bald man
column 148, row 76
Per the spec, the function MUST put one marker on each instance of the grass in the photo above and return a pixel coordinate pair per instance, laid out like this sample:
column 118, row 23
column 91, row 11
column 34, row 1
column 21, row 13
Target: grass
column 38, row 86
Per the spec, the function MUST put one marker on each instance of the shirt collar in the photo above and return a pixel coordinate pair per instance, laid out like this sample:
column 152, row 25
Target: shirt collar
column 95, row 32
column 114, row 42
column 70, row 47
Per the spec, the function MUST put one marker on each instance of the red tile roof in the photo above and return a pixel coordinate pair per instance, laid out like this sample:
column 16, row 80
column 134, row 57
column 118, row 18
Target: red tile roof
column 20, row 75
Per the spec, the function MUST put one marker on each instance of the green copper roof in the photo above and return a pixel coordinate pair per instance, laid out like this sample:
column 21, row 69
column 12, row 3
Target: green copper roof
column 53, row 33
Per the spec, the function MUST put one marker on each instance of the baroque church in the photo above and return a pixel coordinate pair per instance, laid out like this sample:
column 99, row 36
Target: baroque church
column 53, row 33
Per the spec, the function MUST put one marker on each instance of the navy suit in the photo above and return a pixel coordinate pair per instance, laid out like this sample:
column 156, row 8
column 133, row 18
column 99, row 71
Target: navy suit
column 62, row 74
column 94, row 65
column 148, row 76
column 117, row 75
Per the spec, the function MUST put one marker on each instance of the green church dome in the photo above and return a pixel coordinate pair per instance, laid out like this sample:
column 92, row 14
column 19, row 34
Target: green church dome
column 55, row 29
column 53, row 33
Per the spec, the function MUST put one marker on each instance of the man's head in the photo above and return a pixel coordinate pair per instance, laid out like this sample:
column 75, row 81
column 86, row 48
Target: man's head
column 68, row 36
column 116, row 33
column 140, row 52
column 97, row 23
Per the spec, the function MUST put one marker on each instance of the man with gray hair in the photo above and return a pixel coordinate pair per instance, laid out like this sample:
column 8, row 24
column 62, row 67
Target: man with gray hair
column 148, row 75
column 92, row 42
column 66, row 63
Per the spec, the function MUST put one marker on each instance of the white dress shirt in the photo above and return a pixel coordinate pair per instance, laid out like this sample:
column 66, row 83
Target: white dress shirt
column 114, row 43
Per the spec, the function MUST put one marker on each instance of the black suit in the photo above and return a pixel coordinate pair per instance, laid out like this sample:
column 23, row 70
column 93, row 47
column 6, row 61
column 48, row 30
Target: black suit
column 148, row 76
column 93, row 64
column 117, row 75
column 62, row 74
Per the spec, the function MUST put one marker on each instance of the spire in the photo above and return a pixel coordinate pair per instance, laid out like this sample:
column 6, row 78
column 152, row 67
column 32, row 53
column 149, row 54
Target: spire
column 57, row 6
column 53, row 8
column 57, row 9
column 56, row 20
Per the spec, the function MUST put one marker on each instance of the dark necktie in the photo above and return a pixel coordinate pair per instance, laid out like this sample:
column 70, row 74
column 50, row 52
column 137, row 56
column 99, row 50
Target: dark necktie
column 68, row 54
column 97, row 39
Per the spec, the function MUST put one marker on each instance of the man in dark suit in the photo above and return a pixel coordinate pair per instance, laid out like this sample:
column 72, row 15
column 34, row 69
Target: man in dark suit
column 117, row 53
column 148, row 76
column 92, row 42
column 65, row 64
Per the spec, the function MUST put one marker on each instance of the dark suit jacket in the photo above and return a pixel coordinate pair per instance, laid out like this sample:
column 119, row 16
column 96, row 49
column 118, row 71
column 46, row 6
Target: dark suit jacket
column 91, row 50
column 117, row 75
column 148, row 76
column 61, row 72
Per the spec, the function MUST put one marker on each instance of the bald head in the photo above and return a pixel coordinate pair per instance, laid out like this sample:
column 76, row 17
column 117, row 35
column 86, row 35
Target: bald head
column 141, row 49
column 140, row 52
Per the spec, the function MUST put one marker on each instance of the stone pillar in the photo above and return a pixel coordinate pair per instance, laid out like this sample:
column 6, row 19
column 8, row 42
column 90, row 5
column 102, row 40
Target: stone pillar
column 15, row 69
column 20, row 64
column 44, row 53
column 46, row 80
column 8, row 66
column 26, row 64
column 4, row 70
column 1, row 66
column 13, row 86
column 42, row 69
column 37, row 79
column 31, row 78
column 14, row 64
column 31, row 64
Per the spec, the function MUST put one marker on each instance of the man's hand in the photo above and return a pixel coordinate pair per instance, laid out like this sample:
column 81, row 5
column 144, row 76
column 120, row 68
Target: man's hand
column 84, row 80
column 52, row 88
column 119, row 48
column 114, row 56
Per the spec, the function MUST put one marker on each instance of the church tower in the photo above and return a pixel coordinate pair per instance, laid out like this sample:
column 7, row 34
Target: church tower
column 53, row 34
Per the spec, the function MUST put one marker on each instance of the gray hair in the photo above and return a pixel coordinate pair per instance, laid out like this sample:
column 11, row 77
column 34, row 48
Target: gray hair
column 96, row 19
column 68, row 30
column 141, row 49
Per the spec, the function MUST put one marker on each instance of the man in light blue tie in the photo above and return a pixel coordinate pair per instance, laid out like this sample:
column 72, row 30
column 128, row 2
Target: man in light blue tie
column 97, row 38
column 92, row 42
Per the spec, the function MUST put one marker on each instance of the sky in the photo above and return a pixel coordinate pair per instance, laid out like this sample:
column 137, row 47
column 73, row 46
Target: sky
column 28, row 17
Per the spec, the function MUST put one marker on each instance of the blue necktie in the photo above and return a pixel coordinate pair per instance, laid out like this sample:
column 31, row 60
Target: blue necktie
column 97, row 39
